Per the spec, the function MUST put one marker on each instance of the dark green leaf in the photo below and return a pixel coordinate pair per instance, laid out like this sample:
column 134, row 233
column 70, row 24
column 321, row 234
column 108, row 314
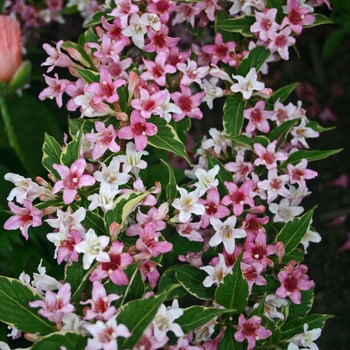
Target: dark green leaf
column 281, row 132
column 223, row 175
column 317, row 127
column 88, row 75
column 167, row 279
column 281, row 94
column 233, row 116
column 72, row 151
column 89, row 36
column 293, row 231
column 301, row 310
column 297, row 156
column 196, row 316
column 191, row 278
column 232, row 292
column 239, row 25
column 137, row 315
column 171, row 191
column 293, row 327
column 249, row 142
column 96, row 19
column 228, row 340
column 70, row 340
column 51, row 154
column 167, row 138
column 278, row 5
column 76, row 124
column 256, row 58
column 15, row 310
column 94, row 221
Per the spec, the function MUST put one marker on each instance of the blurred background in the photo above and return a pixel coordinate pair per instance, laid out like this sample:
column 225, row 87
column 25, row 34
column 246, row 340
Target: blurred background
column 321, row 65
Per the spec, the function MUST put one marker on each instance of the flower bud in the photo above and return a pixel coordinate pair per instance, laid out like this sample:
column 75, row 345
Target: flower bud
column 10, row 48
column 279, row 249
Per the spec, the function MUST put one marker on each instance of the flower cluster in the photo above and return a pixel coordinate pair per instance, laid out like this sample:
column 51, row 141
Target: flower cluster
column 130, row 236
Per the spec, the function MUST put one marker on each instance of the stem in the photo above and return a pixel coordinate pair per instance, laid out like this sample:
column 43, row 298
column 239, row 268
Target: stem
column 11, row 134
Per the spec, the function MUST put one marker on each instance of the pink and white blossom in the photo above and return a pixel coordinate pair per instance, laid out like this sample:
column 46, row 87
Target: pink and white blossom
column 246, row 85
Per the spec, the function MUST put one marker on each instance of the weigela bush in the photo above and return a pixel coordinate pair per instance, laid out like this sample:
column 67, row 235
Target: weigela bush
column 156, row 254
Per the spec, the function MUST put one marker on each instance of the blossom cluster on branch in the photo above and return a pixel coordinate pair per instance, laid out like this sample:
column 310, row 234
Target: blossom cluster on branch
column 226, row 237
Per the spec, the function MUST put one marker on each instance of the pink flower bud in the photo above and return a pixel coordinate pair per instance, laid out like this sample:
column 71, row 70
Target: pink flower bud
column 279, row 249
column 10, row 48
column 114, row 229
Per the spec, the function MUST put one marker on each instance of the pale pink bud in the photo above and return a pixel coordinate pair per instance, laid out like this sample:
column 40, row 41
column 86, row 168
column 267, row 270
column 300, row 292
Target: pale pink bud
column 279, row 249
column 50, row 210
column 114, row 229
column 265, row 93
column 75, row 54
column 41, row 181
column 133, row 82
column 10, row 48
column 122, row 116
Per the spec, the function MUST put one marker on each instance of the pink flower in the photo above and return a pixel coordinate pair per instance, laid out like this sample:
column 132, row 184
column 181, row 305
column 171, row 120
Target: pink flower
column 281, row 41
column 265, row 24
column 56, row 57
column 123, row 10
column 297, row 17
column 160, row 41
column 114, row 269
column 188, row 103
column 10, row 48
column 238, row 196
column 158, row 69
column 104, row 139
column 268, row 156
column 149, row 271
column 293, row 279
column 258, row 117
column 298, row 174
column 251, row 330
column 105, row 334
column 220, row 51
column 71, row 179
column 100, row 304
column 55, row 306
column 23, row 218
column 213, row 208
column 56, row 88
column 139, row 130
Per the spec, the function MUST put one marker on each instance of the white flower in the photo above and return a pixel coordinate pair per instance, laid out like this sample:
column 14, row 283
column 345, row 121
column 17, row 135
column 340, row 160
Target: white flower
column 247, row 84
column 310, row 236
column 104, row 198
column 305, row 339
column 92, row 246
column 212, row 91
column 188, row 204
column 136, row 30
column 284, row 211
column 150, row 20
column 164, row 321
column 206, row 179
column 43, row 281
column 133, row 159
column 226, row 233
column 216, row 273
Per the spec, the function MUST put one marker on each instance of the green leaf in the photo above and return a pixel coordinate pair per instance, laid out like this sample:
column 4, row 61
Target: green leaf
column 297, row 156
column 182, row 127
column 80, row 49
column 256, row 58
column 223, row 175
column 88, row 75
column 281, row 132
column 15, row 310
column 293, row 231
column 124, row 205
column 191, row 278
column 297, row 255
column 167, row 279
column 171, row 191
column 96, row 19
column 276, row 4
column 232, row 292
column 89, row 36
column 332, row 42
column 239, row 25
column 70, row 340
column 270, row 288
column 233, row 116
column 72, row 151
column 300, row 310
column 94, row 221
column 281, row 94
column 317, row 127
column 196, row 316
column 51, row 154
column 249, row 142
column 228, row 341
column 133, row 290
column 76, row 124
column 167, row 138
column 77, row 277
column 137, row 315
column 293, row 327
column 320, row 19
